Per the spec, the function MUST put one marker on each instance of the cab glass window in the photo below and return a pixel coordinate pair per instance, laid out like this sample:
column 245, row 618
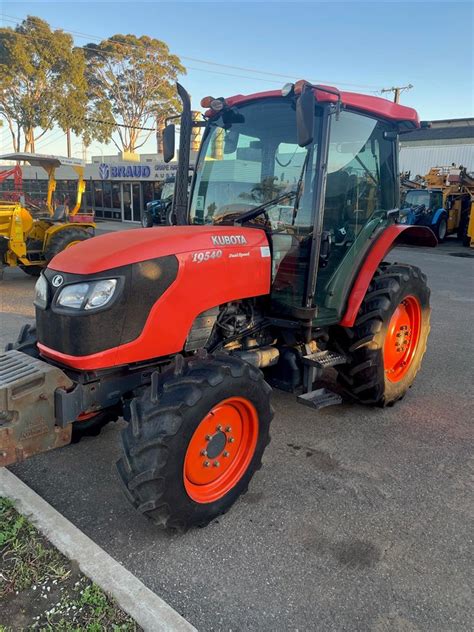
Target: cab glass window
column 360, row 182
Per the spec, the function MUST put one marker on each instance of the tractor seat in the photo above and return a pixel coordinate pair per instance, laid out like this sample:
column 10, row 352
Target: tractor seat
column 61, row 213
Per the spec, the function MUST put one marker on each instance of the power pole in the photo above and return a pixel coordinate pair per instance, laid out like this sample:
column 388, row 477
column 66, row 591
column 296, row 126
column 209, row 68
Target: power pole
column 68, row 138
column 160, row 124
column 397, row 90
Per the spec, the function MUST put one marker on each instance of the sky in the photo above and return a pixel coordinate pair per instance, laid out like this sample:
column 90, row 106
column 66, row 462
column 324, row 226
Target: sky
column 256, row 46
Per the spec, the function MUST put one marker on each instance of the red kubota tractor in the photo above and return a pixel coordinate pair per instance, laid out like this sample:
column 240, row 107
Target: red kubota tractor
column 274, row 273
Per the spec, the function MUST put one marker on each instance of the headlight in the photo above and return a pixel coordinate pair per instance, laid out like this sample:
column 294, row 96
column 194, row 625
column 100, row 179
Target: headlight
column 41, row 293
column 101, row 293
column 87, row 295
column 73, row 295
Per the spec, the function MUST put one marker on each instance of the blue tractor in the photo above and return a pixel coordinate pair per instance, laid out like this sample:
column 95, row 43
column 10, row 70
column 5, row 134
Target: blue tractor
column 425, row 207
column 159, row 212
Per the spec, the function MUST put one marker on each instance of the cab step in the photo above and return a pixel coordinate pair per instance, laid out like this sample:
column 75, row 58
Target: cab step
column 324, row 359
column 319, row 398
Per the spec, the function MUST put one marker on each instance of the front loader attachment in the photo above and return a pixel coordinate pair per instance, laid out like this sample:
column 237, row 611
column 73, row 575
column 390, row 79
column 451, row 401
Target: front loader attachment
column 27, row 409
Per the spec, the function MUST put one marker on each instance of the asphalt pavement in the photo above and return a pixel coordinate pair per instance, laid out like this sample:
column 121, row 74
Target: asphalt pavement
column 360, row 519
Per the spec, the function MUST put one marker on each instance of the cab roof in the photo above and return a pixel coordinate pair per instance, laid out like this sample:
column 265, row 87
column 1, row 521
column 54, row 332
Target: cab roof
column 375, row 106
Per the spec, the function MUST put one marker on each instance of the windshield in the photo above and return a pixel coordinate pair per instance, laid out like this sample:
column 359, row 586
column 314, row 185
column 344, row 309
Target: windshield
column 416, row 198
column 251, row 161
column 168, row 189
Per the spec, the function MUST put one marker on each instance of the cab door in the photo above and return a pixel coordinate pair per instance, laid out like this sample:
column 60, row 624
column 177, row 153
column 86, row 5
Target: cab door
column 361, row 183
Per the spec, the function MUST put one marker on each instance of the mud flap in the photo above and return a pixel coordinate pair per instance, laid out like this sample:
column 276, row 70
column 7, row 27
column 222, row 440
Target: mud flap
column 27, row 415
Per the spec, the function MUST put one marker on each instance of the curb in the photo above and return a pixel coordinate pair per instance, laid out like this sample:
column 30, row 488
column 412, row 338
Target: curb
column 143, row 605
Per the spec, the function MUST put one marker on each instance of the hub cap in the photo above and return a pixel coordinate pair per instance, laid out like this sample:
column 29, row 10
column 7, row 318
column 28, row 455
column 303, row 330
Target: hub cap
column 402, row 338
column 220, row 449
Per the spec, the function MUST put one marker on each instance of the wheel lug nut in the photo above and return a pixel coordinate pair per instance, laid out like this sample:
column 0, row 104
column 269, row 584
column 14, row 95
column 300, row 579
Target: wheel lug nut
column 226, row 454
column 228, row 429
column 219, row 428
column 208, row 437
column 231, row 439
column 206, row 464
column 203, row 452
column 216, row 464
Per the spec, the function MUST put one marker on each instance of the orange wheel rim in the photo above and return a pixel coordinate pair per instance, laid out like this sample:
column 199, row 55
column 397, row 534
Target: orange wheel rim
column 86, row 416
column 402, row 338
column 220, row 449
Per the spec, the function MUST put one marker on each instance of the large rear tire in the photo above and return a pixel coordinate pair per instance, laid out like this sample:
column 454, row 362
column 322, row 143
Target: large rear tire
column 192, row 447
column 65, row 238
column 463, row 228
column 386, row 345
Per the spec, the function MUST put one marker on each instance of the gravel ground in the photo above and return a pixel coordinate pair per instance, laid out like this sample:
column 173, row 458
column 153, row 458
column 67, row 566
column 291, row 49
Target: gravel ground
column 360, row 519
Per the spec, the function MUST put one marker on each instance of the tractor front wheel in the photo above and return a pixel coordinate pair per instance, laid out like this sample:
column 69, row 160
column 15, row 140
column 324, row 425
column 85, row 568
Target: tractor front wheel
column 193, row 445
column 386, row 345
column 440, row 229
column 65, row 238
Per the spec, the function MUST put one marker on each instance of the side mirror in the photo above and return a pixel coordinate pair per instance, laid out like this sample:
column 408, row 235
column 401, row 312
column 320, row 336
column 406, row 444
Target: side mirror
column 169, row 142
column 305, row 117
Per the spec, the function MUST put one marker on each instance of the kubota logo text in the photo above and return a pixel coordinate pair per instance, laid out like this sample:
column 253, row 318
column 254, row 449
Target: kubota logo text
column 228, row 240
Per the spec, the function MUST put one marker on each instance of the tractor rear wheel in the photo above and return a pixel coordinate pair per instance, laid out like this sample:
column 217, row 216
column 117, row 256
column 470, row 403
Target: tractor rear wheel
column 193, row 445
column 386, row 345
column 65, row 238
column 89, row 425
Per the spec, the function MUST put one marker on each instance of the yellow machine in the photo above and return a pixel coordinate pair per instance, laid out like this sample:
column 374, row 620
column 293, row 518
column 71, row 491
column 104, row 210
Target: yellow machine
column 457, row 187
column 443, row 200
column 31, row 237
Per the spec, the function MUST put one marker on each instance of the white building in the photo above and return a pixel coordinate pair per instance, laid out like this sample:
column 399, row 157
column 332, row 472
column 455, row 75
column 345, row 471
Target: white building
column 444, row 143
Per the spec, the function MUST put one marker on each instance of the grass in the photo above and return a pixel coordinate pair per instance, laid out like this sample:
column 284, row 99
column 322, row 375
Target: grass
column 40, row 589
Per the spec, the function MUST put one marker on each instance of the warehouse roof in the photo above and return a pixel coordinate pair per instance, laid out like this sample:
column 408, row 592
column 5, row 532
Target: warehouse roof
column 440, row 133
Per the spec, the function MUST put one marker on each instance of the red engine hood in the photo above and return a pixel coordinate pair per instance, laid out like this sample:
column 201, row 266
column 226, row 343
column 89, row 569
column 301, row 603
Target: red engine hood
column 130, row 246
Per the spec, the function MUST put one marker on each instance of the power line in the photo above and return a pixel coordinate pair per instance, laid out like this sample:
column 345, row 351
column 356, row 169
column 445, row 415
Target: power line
column 50, row 140
column 15, row 20
column 146, row 129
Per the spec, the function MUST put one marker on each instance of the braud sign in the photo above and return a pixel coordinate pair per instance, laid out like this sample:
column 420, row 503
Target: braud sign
column 137, row 172
column 156, row 171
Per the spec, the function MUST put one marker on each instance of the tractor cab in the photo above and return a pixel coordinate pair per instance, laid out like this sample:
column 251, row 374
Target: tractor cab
column 313, row 167
column 425, row 207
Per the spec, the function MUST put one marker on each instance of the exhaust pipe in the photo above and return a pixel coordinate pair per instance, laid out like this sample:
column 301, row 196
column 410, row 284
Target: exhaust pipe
column 180, row 198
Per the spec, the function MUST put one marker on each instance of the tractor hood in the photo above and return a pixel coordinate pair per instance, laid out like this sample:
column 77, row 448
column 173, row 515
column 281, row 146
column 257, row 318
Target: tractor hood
column 132, row 246
column 165, row 278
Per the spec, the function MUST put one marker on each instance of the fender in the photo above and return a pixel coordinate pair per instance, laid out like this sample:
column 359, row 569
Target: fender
column 436, row 215
column 393, row 236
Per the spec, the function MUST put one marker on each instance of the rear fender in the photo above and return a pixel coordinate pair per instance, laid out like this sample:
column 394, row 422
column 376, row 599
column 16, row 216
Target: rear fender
column 436, row 216
column 391, row 237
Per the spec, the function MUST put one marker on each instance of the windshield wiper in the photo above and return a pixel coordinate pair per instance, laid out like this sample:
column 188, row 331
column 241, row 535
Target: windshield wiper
column 252, row 214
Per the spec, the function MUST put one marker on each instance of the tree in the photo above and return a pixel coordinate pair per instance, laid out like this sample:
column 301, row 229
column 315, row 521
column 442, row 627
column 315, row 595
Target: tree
column 42, row 82
column 265, row 190
column 136, row 77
